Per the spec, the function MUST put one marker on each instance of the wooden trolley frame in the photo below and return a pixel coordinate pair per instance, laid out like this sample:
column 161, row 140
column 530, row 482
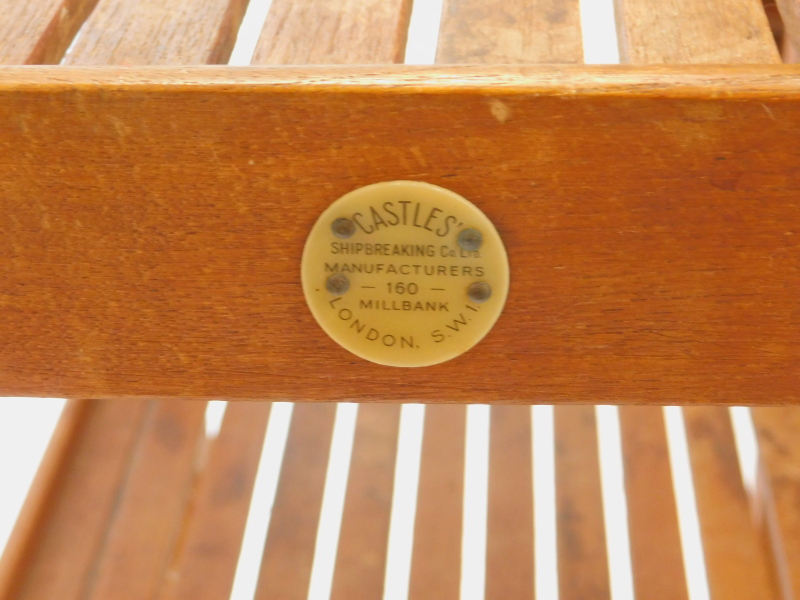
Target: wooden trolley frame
column 154, row 213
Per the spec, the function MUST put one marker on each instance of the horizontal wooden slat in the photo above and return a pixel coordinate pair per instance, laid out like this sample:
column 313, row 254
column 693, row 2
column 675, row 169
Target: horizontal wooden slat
column 149, row 513
column 137, row 32
column 694, row 31
column 53, row 552
column 154, row 234
column 790, row 14
column 510, row 32
column 509, row 527
column 326, row 33
column 17, row 556
column 656, row 553
column 779, row 491
column 39, row 31
column 436, row 556
column 580, row 527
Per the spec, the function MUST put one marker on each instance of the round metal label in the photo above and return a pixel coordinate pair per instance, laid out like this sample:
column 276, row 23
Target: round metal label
column 405, row 273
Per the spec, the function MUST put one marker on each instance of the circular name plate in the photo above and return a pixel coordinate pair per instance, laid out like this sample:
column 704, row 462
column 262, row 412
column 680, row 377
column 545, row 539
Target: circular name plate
column 405, row 273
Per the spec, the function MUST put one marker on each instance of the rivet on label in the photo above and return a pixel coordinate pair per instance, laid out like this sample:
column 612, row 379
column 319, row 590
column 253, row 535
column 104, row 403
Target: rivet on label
column 343, row 228
column 479, row 292
column 337, row 284
column 470, row 240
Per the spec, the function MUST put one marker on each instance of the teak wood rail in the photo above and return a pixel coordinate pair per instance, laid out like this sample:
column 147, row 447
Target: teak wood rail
column 152, row 223
column 154, row 220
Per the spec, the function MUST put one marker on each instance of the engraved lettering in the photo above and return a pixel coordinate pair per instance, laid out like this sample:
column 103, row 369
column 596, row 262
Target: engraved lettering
column 458, row 322
column 387, row 207
column 405, row 204
column 431, row 217
column 445, row 228
column 387, row 215
column 377, row 221
column 416, row 215
column 358, row 222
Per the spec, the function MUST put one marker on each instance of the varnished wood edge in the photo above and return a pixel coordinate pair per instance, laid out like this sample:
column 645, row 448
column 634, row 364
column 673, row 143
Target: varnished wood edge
column 42, row 493
column 702, row 81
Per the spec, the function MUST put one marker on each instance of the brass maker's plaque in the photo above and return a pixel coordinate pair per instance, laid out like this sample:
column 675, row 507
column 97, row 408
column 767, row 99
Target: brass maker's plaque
column 405, row 273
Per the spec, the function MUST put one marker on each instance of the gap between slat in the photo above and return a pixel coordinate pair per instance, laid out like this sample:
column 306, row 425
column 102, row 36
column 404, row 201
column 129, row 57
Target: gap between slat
column 599, row 32
column 476, row 486
column 744, row 433
column 544, row 502
column 72, row 44
column 686, row 503
column 423, row 32
column 404, row 502
column 330, row 520
column 249, row 31
column 215, row 412
column 615, row 506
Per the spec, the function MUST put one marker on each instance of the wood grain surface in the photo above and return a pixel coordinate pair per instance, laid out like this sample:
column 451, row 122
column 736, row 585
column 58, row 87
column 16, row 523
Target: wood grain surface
column 333, row 33
column 693, row 31
column 790, row 15
column 656, row 553
column 154, row 250
column 152, row 32
column 43, row 491
column 582, row 557
column 38, row 32
column 143, row 535
column 436, row 556
column 779, row 490
column 509, row 527
column 510, row 32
